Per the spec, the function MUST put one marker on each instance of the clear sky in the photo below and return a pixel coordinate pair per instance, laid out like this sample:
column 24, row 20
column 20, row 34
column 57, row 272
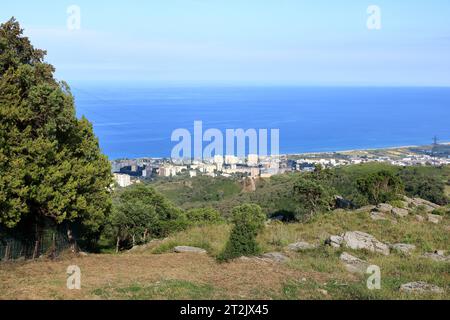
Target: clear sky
column 296, row 42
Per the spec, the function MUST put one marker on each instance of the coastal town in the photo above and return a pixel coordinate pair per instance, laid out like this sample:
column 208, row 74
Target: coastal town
column 130, row 171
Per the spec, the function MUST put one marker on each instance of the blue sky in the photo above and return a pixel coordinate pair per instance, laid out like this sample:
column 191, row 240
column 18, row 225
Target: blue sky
column 290, row 42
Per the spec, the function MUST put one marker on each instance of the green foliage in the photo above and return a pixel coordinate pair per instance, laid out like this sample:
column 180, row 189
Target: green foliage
column 312, row 196
column 51, row 166
column 203, row 216
column 248, row 221
column 140, row 213
column 425, row 184
column 382, row 186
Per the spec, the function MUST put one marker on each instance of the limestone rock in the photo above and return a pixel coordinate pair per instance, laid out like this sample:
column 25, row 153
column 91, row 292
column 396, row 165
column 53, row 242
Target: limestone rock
column 399, row 212
column 186, row 249
column 375, row 215
column 353, row 264
column 365, row 209
column 301, row 246
column 403, row 248
column 334, row 241
column 419, row 218
column 421, row 202
column 360, row 240
column 384, row 207
column 275, row 257
column 433, row 218
column 420, row 287
column 437, row 256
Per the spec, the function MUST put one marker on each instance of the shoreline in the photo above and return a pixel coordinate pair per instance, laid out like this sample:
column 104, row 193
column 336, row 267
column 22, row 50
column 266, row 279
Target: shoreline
column 366, row 149
column 307, row 153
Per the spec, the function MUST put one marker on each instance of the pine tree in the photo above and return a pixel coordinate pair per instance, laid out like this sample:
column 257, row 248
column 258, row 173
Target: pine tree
column 51, row 166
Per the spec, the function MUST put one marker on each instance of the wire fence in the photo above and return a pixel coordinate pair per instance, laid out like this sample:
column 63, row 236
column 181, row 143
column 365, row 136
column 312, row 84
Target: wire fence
column 49, row 245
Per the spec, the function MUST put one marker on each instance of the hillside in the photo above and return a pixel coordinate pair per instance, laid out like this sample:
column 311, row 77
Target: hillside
column 154, row 271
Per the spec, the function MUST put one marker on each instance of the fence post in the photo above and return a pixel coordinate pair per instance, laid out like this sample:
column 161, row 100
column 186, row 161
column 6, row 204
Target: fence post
column 7, row 249
column 36, row 249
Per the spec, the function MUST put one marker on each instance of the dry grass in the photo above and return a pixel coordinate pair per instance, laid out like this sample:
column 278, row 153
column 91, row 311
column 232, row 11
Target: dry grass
column 104, row 275
column 154, row 272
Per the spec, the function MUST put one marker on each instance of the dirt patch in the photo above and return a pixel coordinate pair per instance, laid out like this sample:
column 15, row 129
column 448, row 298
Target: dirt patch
column 238, row 279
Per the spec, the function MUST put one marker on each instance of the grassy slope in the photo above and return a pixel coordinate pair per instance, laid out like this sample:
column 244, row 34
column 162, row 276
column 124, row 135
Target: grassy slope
column 156, row 273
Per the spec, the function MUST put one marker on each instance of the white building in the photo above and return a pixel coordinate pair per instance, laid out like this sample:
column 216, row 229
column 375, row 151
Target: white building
column 123, row 180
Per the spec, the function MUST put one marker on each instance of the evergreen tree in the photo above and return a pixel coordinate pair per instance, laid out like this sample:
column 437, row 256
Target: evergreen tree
column 51, row 167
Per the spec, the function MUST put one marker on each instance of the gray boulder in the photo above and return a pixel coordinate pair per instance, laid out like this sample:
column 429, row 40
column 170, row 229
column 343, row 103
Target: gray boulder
column 420, row 287
column 437, row 256
column 400, row 213
column 384, row 207
column 334, row 241
column 403, row 248
column 353, row 264
column 186, row 249
column 301, row 246
column 275, row 257
column 434, row 218
column 361, row 240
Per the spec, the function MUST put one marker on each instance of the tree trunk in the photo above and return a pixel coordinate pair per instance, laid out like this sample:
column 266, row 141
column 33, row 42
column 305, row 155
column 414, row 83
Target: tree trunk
column 117, row 244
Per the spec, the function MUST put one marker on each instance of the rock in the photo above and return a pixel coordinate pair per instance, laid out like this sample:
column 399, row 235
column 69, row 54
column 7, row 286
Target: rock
column 275, row 257
column 341, row 203
column 353, row 264
column 420, row 287
column 323, row 291
column 421, row 202
column 403, row 248
column 408, row 200
column 186, row 249
column 384, row 207
column 400, row 213
column 360, row 240
column 365, row 209
column 334, row 241
column 434, row 218
column 301, row 246
column 375, row 215
column 437, row 256
column 419, row 218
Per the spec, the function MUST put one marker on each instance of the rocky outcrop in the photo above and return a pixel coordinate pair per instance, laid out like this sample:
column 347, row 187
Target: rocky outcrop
column 400, row 212
column 186, row 249
column 384, row 207
column 353, row 264
column 277, row 257
column 358, row 240
column 334, row 241
column 403, row 248
column 434, row 218
column 368, row 208
column 301, row 246
column 361, row 240
column 438, row 256
column 420, row 287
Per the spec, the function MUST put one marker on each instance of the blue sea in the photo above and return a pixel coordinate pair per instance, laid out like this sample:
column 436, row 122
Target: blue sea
column 137, row 121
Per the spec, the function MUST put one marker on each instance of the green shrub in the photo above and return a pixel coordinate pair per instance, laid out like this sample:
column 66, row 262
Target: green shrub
column 203, row 216
column 382, row 186
column 248, row 221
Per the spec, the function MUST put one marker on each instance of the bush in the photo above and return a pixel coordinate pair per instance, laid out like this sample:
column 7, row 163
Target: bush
column 140, row 214
column 248, row 221
column 312, row 196
column 203, row 216
column 382, row 186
